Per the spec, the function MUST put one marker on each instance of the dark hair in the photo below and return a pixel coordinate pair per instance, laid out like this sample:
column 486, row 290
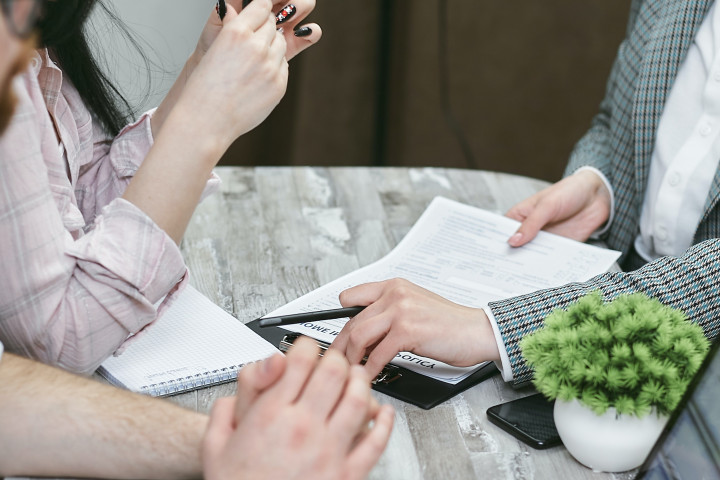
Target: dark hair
column 63, row 32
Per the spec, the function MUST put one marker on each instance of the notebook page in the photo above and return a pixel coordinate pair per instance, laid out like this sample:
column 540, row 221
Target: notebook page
column 195, row 342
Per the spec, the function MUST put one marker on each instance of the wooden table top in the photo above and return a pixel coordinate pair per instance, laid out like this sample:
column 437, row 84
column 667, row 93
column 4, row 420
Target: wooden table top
column 274, row 234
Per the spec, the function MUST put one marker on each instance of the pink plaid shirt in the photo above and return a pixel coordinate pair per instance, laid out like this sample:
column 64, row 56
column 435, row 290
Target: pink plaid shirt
column 82, row 269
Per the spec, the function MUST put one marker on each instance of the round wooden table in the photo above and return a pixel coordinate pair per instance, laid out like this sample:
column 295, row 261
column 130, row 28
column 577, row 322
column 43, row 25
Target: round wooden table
column 274, row 234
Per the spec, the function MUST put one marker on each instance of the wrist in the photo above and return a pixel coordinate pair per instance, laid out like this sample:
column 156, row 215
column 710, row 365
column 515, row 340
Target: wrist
column 168, row 103
column 595, row 181
column 483, row 339
column 602, row 197
column 199, row 139
column 196, row 117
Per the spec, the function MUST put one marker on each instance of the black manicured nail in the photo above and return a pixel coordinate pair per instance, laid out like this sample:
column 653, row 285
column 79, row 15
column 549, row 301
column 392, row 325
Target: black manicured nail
column 303, row 32
column 221, row 9
column 285, row 14
column 246, row 3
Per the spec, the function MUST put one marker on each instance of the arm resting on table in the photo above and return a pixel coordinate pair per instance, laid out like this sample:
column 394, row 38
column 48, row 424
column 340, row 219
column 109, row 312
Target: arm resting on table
column 53, row 423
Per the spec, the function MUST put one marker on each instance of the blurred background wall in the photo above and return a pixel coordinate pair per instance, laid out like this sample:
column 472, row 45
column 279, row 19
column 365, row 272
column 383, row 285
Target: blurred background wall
column 489, row 84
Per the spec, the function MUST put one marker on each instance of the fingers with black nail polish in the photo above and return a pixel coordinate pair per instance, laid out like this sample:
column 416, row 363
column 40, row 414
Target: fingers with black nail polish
column 303, row 31
column 285, row 14
column 221, row 9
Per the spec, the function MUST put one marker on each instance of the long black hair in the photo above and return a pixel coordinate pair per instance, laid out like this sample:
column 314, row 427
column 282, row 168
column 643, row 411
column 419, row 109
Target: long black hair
column 63, row 31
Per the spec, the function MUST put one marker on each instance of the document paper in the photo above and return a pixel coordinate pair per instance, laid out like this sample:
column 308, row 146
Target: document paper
column 461, row 253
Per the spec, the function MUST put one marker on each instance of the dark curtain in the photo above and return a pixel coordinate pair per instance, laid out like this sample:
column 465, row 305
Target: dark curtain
column 488, row 84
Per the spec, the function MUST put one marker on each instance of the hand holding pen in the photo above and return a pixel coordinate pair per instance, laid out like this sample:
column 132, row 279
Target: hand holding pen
column 287, row 18
column 294, row 318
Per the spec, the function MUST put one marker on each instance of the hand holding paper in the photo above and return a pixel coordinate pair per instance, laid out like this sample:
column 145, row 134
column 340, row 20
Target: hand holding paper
column 574, row 207
column 459, row 253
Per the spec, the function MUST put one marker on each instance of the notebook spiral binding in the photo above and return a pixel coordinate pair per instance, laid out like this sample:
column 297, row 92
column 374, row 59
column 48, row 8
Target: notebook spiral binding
column 192, row 382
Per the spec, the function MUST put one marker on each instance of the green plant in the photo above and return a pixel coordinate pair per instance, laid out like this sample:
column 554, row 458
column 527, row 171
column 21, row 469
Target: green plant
column 632, row 353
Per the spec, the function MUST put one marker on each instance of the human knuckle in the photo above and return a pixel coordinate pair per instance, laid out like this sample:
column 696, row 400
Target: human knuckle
column 300, row 429
column 357, row 399
column 258, row 55
column 304, row 362
column 238, row 33
column 395, row 283
column 334, row 374
column 401, row 288
column 335, row 364
column 356, row 336
column 404, row 305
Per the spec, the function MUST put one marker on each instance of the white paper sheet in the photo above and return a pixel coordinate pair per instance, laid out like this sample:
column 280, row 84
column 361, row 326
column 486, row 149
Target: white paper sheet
column 461, row 253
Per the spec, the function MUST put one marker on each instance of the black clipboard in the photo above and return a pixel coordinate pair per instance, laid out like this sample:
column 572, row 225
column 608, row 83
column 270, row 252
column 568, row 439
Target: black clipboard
column 408, row 386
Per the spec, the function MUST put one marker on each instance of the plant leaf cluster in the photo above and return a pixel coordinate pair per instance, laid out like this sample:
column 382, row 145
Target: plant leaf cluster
column 632, row 353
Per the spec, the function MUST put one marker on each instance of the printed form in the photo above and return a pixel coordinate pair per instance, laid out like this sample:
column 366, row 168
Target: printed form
column 461, row 253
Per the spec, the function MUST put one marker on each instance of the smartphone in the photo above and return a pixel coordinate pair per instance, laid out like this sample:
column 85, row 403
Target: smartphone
column 529, row 419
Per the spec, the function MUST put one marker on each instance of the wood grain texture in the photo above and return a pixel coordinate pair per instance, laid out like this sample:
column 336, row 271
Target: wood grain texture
column 273, row 234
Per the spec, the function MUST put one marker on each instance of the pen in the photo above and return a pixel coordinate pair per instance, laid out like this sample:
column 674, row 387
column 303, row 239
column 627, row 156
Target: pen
column 309, row 316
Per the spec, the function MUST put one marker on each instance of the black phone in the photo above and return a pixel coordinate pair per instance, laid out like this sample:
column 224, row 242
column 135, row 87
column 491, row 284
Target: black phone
column 529, row 419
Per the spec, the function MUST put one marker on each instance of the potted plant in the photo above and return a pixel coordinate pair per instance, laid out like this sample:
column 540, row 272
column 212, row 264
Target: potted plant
column 616, row 370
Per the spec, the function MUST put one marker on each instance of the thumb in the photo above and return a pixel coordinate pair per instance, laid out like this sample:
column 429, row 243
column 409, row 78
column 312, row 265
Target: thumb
column 219, row 428
column 529, row 228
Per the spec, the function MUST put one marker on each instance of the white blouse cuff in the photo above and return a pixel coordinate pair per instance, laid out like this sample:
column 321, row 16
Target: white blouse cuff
column 504, row 364
column 596, row 234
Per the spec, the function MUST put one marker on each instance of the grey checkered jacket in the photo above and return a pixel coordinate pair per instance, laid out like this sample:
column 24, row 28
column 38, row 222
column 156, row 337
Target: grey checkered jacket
column 620, row 143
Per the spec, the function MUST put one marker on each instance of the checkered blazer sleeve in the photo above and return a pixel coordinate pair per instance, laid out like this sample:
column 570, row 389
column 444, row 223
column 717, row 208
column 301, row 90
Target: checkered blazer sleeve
column 690, row 283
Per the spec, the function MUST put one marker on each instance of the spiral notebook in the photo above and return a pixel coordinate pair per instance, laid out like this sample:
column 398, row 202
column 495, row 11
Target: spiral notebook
column 193, row 344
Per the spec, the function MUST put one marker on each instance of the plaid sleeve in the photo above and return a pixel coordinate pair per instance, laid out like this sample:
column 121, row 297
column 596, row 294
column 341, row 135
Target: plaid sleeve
column 690, row 283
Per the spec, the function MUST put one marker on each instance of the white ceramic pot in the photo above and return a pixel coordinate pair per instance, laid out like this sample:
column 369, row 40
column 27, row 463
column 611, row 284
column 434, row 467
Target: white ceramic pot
column 607, row 442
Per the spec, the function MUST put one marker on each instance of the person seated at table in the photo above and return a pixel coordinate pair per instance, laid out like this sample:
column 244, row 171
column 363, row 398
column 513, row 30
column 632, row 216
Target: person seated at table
column 280, row 425
column 93, row 210
column 645, row 177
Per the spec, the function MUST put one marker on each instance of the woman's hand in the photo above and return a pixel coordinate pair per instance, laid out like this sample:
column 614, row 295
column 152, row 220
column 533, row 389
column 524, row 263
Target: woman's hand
column 574, row 207
column 401, row 316
column 213, row 28
column 237, row 84
column 295, row 44
column 240, row 79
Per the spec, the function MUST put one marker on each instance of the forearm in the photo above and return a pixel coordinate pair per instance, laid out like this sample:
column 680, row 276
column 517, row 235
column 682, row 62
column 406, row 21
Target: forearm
column 220, row 101
column 168, row 185
column 56, row 424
